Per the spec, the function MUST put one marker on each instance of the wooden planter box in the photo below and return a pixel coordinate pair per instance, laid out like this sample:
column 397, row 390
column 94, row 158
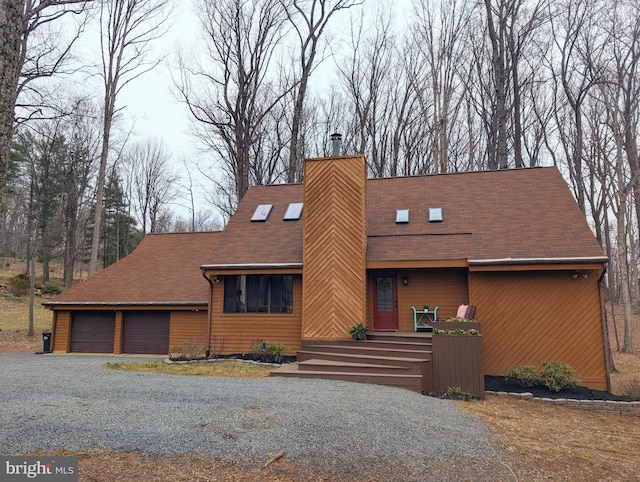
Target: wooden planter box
column 457, row 362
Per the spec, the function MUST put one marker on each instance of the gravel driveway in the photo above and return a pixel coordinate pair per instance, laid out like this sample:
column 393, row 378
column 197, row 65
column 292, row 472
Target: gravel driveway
column 50, row 402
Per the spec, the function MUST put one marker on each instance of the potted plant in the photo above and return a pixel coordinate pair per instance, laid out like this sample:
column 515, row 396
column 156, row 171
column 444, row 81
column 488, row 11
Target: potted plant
column 358, row 332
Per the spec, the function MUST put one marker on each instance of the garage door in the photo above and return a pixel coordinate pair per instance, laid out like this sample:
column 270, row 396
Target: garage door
column 146, row 332
column 92, row 332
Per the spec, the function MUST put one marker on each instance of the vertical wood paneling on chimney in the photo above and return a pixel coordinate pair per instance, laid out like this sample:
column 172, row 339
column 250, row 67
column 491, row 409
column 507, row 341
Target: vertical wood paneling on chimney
column 335, row 243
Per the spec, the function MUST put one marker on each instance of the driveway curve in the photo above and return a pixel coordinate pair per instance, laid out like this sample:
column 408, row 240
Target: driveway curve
column 71, row 402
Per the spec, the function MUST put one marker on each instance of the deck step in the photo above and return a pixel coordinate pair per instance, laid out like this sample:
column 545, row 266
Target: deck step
column 407, row 381
column 360, row 358
column 318, row 365
column 399, row 335
column 397, row 359
column 367, row 349
column 399, row 343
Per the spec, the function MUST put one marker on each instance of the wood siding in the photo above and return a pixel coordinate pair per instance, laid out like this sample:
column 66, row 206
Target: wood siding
column 61, row 331
column 528, row 317
column 334, row 247
column 117, row 335
column 188, row 325
column 457, row 362
column 445, row 288
column 234, row 333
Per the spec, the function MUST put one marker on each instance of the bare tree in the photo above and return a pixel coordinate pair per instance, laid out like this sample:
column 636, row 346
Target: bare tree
column 368, row 76
column 309, row 19
column 152, row 181
column 23, row 61
column 79, row 168
column 496, row 15
column 619, row 93
column 127, row 30
column 232, row 95
column 439, row 32
column 574, row 31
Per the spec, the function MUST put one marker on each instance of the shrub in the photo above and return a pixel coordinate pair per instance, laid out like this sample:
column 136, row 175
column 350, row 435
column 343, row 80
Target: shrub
column 527, row 375
column 51, row 289
column 557, row 375
column 187, row 350
column 453, row 393
column 19, row 285
column 269, row 352
column 216, row 348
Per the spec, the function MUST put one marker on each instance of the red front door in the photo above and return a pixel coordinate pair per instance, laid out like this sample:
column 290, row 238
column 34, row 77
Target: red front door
column 385, row 299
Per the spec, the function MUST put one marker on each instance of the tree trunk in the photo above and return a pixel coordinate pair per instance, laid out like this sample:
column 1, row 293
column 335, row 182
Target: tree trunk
column 627, row 346
column 11, row 60
column 32, row 284
column 109, row 104
column 499, row 114
column 71, row 228
column 294, row 172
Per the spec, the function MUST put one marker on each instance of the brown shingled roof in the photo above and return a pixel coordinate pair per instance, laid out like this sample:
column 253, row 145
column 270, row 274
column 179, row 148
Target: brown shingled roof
column 516, row 213
column 272, row 242
column 163, row 269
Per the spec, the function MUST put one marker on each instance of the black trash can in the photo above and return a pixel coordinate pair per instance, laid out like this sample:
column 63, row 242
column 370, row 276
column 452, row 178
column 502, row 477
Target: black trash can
column 46, row 341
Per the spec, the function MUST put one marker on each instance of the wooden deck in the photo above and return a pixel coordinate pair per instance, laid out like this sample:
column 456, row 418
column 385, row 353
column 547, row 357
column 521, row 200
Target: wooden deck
column 399, row 359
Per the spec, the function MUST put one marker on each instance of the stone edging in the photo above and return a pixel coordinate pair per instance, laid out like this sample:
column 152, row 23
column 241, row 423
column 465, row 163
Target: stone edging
column 603, row 406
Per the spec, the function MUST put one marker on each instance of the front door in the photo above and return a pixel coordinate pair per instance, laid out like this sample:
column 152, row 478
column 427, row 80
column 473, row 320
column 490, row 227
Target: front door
column 385, row 313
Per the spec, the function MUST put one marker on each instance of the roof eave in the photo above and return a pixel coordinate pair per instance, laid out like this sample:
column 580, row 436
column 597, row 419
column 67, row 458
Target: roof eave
column 250, row 266
column 526, row 261
column 125, row 303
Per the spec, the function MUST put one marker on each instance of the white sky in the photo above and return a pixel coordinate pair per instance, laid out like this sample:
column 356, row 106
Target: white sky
column 148, row 103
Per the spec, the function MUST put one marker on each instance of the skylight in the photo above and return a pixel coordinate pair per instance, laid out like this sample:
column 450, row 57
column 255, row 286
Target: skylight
column 262, row 212
column 294, row 211
column 435, row 215
column 402, row 216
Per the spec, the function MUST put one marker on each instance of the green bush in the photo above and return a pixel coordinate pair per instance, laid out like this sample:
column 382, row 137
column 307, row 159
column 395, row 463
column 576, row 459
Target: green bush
column 19, row 285
column 555, row 376
column 527, row 375
column 453, row 393
column 269, row 352
column 51, row 289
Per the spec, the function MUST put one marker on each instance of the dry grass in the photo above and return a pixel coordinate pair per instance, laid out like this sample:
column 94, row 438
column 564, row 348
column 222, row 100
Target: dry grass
column 625, row 378
column 14, row 322
column 111, row 466
column 235, row 369
column 14, row 313
column 557, row 442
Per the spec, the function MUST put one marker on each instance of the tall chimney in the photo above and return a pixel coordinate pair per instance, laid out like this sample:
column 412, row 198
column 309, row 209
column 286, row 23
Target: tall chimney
column 334, row 287
column 336, row 144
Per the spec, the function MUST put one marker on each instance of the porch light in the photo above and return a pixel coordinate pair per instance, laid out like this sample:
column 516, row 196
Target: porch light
column 405, row 280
